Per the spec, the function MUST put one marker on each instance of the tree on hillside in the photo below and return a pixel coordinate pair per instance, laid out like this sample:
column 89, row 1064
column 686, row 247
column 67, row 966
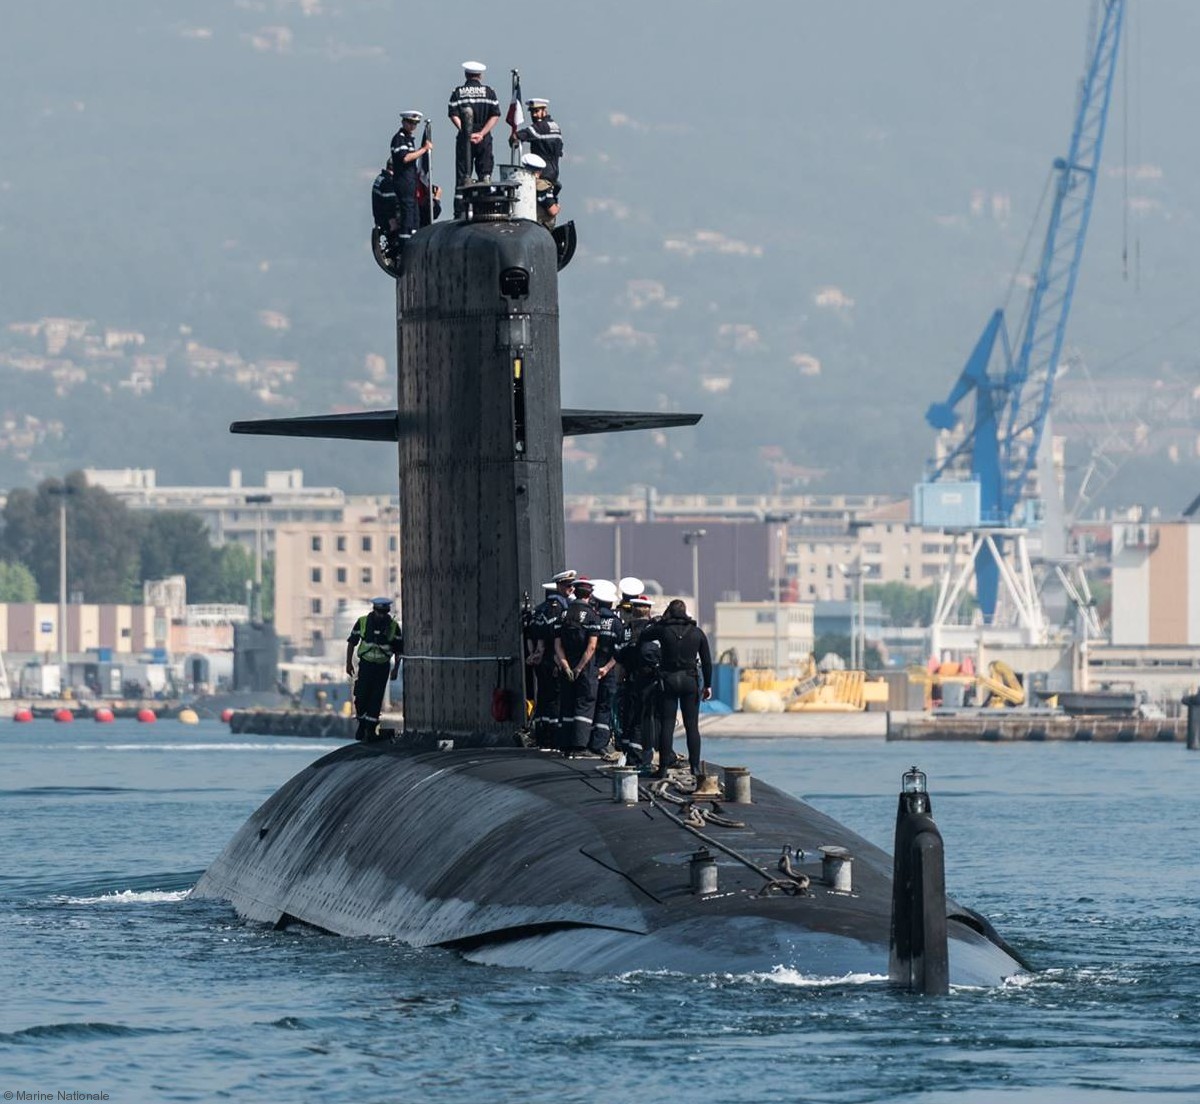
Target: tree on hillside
column 17, row 583
column 102, row 540
column 903, row 605
column 176, row 543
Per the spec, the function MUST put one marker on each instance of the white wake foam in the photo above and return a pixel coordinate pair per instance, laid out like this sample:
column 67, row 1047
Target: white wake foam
column 129, row 897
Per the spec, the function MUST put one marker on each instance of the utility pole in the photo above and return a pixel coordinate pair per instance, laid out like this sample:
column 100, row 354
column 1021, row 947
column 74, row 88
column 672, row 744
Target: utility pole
column 778, row 558
column 692, row 538
column 61, row 492
column 259, row 500
column 617, row 517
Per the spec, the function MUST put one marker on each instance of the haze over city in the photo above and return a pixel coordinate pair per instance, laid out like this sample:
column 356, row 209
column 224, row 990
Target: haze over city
column 800, row 237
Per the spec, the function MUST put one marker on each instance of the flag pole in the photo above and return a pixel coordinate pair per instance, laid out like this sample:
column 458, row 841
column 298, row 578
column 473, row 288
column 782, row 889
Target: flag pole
column 428, row 169
column 515, row 151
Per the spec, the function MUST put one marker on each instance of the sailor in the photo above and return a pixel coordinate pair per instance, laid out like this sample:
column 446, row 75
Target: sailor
column 584, row 588
column 630, row 588
column 636, row 712
column 543, row 625
column 383, row 200
column 575, row 654
column 485, row 114
column 405, row 155
column 377, row 643
column 683, row 644
column 547, row 198
column 544, row 137
column 608, row 639
column 425, row 208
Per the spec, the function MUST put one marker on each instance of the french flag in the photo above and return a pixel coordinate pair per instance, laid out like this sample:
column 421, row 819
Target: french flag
column 516, row 110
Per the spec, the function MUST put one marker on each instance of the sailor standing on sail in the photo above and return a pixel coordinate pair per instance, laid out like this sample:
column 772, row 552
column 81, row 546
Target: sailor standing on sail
column 405, row 155
column 484, row 114
column 544, row 138
column 684, row 646
column 377, row 643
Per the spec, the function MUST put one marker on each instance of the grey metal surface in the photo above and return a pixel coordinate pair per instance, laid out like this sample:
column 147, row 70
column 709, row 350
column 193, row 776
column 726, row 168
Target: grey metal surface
column 494, row 850
column 480, row 469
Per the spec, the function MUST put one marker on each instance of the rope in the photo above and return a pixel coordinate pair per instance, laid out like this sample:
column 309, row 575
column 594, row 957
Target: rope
column 657, row 796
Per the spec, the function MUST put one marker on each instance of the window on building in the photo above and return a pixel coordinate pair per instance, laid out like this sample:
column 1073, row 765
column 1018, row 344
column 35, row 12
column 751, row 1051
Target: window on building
column 341, row 574
column 907, row 572
column 316, row 547
column 366, row 544
column 315, row 573
column 393, row 574
column 829, row 571
column 366, row 576
column 341, row 544
column 812, row 589
column 930, row 549
column 315, row 605
column 765, row 617
column 393, row 544
column 872, row 549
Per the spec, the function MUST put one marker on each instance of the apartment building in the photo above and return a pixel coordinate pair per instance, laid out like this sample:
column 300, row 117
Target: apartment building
column 323, row 568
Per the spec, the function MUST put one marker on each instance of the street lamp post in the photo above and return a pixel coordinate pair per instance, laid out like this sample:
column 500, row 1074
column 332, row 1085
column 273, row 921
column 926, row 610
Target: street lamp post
column 617, row 517
column 858, row 637
column 778, row 558
column 692, row 538
column 259, row 500
column 61, row 493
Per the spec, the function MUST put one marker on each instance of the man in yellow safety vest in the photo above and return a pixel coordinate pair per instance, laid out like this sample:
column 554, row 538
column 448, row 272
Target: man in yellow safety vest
column 377, row 643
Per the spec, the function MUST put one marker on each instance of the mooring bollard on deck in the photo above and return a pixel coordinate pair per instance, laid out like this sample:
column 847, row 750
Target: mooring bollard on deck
column 737, row 785
column 625, row 785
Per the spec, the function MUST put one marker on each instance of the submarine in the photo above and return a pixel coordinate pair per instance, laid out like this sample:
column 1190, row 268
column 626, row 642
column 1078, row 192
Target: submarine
column 453, row 832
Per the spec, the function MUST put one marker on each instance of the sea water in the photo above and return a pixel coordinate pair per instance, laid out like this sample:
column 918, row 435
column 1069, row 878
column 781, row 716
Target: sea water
column 112, row 981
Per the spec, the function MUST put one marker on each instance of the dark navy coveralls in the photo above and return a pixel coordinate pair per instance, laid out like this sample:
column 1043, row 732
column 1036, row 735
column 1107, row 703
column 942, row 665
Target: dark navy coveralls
column 577, row 700
column 405, row 176
column 485, row 105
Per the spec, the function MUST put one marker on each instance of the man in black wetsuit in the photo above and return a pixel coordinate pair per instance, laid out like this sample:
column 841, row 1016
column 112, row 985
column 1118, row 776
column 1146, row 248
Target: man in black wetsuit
column 476, row 154
column 683, row 645
column 405, row 155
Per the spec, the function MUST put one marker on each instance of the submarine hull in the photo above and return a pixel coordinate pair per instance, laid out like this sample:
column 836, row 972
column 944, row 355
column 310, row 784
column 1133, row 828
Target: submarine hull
column 519, row 859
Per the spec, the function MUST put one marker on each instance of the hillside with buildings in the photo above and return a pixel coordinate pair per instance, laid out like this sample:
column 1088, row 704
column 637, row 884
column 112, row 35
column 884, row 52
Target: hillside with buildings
column 809, row 283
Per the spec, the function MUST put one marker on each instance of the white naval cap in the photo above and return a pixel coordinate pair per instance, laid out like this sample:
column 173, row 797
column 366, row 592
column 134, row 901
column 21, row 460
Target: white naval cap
column 533, row 161
column 604, row 591
column 567, row 576
column 537, row 103
column 474, row 67
column 416, row 116
column 631, row 585
column 641, row 601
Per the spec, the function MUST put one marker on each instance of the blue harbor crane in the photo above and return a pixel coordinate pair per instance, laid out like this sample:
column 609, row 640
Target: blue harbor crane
column 990, row 465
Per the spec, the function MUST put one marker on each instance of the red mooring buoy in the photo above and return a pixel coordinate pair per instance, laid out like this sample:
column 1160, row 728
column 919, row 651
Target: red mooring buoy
column 226, row 716
column 103, row 715
column 147, row 716
column 63, row 716
column 23, row 716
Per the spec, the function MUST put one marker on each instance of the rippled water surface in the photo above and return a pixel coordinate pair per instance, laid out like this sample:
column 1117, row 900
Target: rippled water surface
column 1084, row 856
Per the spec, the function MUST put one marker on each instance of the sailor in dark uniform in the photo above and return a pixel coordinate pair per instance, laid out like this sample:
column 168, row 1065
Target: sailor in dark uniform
column 608, row 638
column 546, row 198
column 485, row 114
column 636, row 708
column 405, row 155
column 544, row 138
column 543, row 626
column 383, row 199
column 575, row 654
column 377, row 643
